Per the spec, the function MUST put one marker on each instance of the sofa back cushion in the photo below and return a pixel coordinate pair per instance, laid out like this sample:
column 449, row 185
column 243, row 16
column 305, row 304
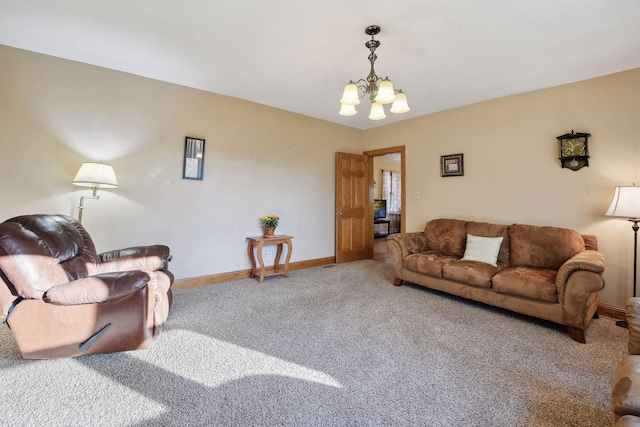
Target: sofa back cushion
column 543, row 247
column 446, row 235
column 484, row 229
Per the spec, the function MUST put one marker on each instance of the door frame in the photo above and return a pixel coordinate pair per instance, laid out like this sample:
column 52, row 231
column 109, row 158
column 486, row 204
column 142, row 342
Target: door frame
column 403, row 184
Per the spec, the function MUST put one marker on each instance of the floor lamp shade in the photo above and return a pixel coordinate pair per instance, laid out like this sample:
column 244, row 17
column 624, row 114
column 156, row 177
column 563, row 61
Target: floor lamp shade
column 626, row 204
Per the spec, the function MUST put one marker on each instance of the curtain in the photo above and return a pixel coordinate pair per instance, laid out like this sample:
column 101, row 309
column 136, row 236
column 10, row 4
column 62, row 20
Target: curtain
column 391, row 191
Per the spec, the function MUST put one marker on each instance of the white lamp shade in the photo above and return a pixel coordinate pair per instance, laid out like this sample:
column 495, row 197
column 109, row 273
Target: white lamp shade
column 400, row 104
column 377, row 112
column 347, row 110
column 625, row 203
column 386, row 94
column 350, row 95
column 96, row 174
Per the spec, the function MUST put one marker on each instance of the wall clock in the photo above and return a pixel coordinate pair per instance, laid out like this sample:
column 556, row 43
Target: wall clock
column 573, row 149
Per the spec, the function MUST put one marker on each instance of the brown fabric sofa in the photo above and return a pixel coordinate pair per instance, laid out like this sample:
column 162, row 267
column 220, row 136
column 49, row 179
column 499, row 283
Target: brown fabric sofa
column 545, row 272
column 62, row 299
column 625, row 397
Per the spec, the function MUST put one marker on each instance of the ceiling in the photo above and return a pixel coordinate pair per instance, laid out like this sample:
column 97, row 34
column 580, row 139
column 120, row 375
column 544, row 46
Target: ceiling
column 298, row 55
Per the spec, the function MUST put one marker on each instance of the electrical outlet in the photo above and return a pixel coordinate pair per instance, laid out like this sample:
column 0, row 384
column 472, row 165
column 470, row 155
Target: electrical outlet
column 269, row 256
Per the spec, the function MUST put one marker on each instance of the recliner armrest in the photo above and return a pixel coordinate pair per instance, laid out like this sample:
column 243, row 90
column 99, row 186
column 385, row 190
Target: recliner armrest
column 98, row 288
column 153, row 258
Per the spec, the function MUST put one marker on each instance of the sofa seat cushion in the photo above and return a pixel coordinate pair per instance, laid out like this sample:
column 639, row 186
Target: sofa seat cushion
column 625, row 396
column 470, row 272
column 528, row 282
column 428, row 262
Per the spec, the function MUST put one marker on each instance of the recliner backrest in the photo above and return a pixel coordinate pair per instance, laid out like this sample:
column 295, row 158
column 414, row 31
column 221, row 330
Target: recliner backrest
column 41, row 251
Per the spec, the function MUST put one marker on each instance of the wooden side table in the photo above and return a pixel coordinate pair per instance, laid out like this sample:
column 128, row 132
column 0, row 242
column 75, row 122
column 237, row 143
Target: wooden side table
column 262, row 241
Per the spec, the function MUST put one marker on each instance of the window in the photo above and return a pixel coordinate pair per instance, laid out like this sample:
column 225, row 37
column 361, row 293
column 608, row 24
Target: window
column 391, row 185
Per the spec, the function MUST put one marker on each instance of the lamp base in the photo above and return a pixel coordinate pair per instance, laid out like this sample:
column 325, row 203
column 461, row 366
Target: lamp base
column 622, row 324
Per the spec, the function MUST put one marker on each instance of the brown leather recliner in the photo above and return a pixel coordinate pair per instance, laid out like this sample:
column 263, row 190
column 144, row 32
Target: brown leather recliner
column 61, row 299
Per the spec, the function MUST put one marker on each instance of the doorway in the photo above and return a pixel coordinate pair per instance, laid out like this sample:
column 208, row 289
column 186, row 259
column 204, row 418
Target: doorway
column 392, row 161
column 355, row 202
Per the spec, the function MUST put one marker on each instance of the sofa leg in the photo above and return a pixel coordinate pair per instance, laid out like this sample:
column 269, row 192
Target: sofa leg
column 576, row 334
column 397, row 282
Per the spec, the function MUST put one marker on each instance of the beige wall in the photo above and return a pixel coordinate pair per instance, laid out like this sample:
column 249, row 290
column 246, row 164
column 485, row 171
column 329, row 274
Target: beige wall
column 55, row 114
column 512, row 174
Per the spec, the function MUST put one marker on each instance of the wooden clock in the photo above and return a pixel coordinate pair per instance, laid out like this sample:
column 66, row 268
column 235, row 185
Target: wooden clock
column 573, row 149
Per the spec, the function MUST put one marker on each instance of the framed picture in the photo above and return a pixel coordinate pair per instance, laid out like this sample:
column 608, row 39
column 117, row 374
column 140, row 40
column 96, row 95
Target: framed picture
column 193, row 158
column 452, row 165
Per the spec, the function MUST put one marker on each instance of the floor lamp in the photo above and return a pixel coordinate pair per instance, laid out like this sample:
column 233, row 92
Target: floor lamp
column 96, row 176
column 626, row 204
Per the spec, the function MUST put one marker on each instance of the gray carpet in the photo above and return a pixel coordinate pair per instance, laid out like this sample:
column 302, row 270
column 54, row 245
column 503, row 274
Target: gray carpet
column 337, row 346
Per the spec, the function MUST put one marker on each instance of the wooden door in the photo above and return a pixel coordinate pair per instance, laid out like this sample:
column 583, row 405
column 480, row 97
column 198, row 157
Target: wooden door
column 354, row 207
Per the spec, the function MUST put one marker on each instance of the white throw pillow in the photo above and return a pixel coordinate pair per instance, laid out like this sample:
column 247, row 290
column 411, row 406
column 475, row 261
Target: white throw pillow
column 482, row 249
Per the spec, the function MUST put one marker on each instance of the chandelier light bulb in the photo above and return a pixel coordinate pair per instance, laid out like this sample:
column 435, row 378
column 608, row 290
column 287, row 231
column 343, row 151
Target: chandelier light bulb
column 386, row 94
column 350, row 95
column 347, row 110
column 400, row 104
column 377, row 112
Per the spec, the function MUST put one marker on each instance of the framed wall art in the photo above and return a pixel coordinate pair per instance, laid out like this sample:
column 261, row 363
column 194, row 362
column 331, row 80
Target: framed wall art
column 452, row 165
column 193, row 158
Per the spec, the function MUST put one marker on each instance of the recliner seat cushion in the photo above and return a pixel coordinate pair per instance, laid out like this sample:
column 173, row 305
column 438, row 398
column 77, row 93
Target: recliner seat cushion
column 528, row 282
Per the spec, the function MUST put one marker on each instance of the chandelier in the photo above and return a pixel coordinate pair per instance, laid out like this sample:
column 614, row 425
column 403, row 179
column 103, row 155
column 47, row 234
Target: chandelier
column 380, row 90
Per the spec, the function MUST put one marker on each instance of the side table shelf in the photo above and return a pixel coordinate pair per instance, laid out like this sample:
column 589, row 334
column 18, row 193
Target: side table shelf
column 258, row 269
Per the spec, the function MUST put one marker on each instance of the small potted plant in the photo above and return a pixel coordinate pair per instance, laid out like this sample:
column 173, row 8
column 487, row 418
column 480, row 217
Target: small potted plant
column 270, row 222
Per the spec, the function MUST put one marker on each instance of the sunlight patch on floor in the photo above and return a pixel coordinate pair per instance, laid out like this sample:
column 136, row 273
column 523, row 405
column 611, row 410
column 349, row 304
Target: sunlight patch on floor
column 226, row 362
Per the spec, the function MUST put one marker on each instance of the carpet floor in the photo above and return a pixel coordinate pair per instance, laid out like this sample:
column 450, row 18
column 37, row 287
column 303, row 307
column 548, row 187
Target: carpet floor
column 329, row 346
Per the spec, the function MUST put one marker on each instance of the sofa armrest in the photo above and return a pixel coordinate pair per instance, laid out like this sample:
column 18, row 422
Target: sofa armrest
column 95, row 289
column 583, row 261
column 407, row 243
column 403, row 244
column 152, row 258
column 578, row 281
